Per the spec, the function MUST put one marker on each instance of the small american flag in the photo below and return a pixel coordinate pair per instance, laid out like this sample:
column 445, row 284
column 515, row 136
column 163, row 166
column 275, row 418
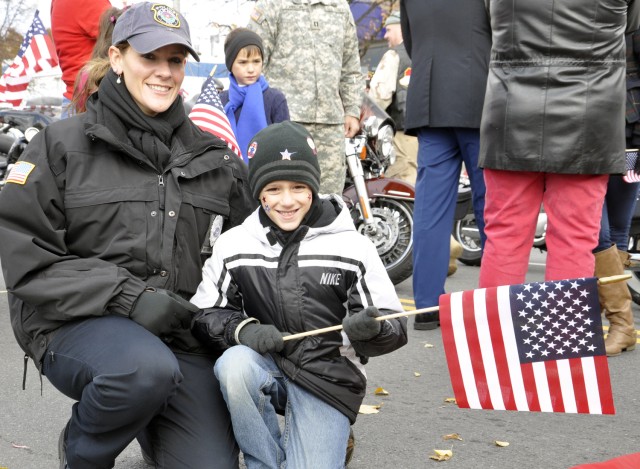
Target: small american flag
column 208, row 114
column 20, row 172
column 631, row 175
column 36, row 54
column 532, row 347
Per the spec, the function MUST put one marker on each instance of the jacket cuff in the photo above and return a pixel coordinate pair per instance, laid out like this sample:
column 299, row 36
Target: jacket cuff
column 123, row 303
column 236, row 334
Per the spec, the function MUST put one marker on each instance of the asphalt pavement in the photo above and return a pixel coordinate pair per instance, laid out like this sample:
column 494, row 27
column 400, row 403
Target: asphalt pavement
column 410, row 424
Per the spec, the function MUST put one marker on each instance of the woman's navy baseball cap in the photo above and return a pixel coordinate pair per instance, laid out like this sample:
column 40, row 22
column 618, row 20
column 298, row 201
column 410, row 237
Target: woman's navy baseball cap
column 149, row 26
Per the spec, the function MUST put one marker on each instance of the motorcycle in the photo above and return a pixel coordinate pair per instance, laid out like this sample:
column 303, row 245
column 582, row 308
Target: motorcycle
column 466, row 232
column 382, row 208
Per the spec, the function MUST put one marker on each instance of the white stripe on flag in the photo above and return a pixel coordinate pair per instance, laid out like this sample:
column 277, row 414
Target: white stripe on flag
column 566, row 386
column 511, row 348
column 462, row 348
column 486, row 347
column 591, row 385
column 542, row 385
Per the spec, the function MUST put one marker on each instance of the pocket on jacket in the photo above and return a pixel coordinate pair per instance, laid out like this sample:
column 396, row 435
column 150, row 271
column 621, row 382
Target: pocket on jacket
column 113, row 224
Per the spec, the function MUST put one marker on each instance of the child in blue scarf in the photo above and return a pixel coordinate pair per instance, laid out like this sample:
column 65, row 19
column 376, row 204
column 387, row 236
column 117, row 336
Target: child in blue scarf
column 250, row 104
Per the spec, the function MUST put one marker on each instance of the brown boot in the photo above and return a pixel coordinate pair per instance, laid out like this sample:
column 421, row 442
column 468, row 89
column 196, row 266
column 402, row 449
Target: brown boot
column 455, row 251
column 615, row 301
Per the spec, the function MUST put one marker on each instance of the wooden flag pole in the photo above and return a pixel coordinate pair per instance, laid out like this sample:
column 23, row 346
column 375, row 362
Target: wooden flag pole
column 379, row 318
column 601, row 281
column 613, row 279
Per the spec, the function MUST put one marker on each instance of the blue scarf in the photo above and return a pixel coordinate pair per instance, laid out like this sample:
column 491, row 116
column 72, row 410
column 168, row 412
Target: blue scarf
column 252, row 116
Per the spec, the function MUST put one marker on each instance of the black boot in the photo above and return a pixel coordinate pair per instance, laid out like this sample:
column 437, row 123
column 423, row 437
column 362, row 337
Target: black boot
column 426, row 321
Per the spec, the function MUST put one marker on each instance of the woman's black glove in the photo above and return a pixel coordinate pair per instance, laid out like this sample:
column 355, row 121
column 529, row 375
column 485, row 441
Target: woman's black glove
column 263, row 338
column 162, row 311
column 362, row 325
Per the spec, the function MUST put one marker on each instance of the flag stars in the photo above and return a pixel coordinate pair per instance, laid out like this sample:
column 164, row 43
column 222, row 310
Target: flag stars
column 554, row 317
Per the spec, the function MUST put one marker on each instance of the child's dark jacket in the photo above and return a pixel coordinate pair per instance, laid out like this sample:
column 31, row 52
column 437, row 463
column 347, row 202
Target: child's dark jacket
column 318, row 277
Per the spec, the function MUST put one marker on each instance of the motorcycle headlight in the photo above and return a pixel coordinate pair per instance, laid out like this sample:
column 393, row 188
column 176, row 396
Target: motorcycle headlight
column 384, row 145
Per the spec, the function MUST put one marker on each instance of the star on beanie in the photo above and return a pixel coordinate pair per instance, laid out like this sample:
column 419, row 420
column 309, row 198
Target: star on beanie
column 283, row 152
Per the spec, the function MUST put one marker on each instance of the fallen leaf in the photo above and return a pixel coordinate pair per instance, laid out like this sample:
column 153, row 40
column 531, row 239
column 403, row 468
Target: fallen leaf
column 450, row 400
column 501, row 443
column 428, row 345
column 441, row 454
column 369, row 409
column 452, row 436
column 19, row 446
column 416, row 374
column 381, row 392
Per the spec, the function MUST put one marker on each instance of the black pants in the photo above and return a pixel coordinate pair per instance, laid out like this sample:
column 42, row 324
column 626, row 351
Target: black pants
column 128, row 383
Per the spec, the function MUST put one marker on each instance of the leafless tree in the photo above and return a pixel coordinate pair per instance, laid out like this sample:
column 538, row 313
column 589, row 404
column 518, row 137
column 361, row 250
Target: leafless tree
column 12, row 14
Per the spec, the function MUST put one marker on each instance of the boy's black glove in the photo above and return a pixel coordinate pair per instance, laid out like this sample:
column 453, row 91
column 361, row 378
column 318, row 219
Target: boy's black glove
column 362, row 325
column 263, row 338
column 162, row 311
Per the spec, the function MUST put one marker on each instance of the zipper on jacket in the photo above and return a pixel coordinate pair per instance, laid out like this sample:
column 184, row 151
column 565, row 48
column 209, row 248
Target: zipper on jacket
column 161, row 190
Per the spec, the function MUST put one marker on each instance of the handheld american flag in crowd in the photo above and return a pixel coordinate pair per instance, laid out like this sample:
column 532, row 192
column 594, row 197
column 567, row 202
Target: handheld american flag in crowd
column 36, row 54
column 532, row 347
column 208, row 114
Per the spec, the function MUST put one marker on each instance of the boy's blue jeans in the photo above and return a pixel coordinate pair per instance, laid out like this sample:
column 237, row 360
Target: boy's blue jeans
column 315, row 434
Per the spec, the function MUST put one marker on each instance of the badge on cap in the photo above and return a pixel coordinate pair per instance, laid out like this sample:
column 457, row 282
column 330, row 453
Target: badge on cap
column 165, row 15
column 252, row 150
column 286, row 155
column 312, row 145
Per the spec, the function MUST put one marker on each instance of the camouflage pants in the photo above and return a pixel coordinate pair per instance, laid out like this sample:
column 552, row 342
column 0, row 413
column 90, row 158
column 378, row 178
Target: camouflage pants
column 406, row 165
column 329, row 139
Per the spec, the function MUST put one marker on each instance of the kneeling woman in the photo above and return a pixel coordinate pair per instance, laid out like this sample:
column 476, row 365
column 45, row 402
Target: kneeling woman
column 105, row 223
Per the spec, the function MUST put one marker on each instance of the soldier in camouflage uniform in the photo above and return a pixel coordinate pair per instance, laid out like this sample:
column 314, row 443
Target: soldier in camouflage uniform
column 311, row 54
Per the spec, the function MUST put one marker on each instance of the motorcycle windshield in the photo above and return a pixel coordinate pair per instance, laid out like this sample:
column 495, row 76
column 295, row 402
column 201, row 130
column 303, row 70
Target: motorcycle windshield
column 370, row 108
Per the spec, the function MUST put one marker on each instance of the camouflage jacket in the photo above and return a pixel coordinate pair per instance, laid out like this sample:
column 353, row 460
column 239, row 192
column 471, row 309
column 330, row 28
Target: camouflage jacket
column 311, row 54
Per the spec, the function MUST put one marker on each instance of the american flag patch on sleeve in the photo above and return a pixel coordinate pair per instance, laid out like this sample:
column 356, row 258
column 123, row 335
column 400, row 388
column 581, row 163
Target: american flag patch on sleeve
column 20, row 172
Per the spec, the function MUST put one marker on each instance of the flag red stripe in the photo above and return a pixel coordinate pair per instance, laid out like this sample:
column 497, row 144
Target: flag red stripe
column 212, row 124
column 475, row 352
column 555, row 390
column 450, row 350
column 531, row 391
column 579, row 388
column 604, row 384
column 499, row 352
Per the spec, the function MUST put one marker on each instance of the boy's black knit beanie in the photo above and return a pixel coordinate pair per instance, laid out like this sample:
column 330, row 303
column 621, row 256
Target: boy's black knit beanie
column 236, row 41
column 283, row 152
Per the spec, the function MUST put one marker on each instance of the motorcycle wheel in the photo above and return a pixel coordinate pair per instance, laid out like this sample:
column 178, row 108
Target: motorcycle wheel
column 393, row 238
column 466, row 232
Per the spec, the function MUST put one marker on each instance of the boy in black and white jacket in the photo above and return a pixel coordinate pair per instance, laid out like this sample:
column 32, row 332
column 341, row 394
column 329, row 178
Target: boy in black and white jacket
column 296, row 264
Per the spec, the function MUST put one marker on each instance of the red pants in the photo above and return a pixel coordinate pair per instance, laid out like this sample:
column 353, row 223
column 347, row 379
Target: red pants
column 573, row 203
